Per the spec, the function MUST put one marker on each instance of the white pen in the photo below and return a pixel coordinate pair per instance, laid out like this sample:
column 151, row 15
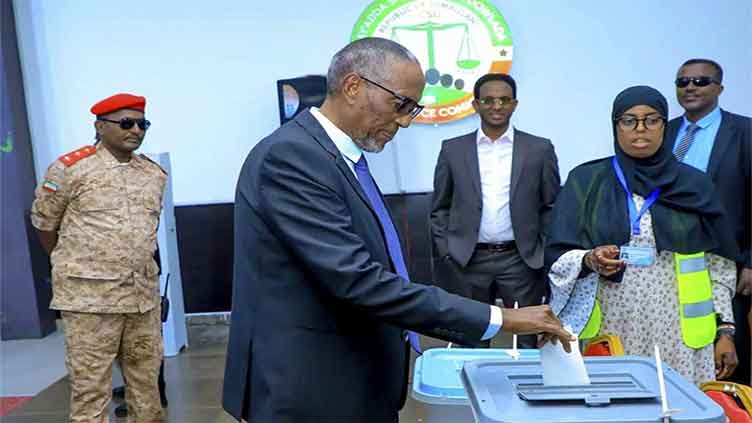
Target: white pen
column 515, row 354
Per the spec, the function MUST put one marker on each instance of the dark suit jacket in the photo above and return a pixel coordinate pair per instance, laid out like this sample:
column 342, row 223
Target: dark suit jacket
column 729, row 168
column 317, row 312
column 457, row 200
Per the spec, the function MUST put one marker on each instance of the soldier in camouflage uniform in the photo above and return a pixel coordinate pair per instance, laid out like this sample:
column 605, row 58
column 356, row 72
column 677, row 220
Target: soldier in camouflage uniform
column 97, row 212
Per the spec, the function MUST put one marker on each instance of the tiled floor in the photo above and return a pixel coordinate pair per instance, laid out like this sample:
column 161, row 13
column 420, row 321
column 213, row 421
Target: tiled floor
column 194, row 388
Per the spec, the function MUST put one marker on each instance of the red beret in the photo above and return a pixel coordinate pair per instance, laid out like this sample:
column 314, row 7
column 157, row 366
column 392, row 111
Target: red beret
column 117, row 102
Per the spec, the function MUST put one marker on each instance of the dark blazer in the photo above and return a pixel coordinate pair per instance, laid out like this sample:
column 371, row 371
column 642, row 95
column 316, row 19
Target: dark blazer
column 729, row 168
column 317, row 312
column 457, row 200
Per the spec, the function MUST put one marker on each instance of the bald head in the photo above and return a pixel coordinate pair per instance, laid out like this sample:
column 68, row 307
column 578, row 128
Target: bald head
column 370, row 57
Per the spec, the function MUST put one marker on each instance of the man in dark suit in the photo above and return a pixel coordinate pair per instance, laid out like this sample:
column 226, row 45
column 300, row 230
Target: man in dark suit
column 321, row 298
column 719, row 143
column 493, row 191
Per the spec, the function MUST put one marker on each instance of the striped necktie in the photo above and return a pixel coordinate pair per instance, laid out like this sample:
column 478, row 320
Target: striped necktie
column 686, row 142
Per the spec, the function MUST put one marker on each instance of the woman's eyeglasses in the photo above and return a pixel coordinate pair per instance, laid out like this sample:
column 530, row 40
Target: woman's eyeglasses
column 127, row 123
column 629, row 123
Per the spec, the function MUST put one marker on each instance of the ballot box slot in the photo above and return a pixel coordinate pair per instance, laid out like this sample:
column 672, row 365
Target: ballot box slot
column 603, row 389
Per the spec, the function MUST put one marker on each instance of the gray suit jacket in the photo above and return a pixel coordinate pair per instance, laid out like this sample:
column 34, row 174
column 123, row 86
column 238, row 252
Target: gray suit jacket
column 457, row 199
column 317, row 310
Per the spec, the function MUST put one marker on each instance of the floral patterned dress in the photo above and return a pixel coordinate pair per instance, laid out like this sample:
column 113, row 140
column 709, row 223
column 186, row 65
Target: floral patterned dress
column 643, row 310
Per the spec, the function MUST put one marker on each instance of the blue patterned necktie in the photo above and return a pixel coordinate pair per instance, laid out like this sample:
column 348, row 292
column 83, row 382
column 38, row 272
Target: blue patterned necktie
column 392, row 240
column 686, row 142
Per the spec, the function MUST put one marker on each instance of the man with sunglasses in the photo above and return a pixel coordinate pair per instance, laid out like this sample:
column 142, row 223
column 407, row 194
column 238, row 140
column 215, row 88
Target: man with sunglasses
column 493, row 191
column 96, row 213
column 719, row 142
column 322, row 302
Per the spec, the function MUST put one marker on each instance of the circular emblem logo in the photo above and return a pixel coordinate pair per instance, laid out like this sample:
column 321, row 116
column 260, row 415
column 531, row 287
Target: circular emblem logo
column 456, row 42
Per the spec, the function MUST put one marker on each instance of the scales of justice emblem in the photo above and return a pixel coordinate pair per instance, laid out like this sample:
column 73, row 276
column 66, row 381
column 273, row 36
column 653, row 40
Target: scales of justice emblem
column 456, row 42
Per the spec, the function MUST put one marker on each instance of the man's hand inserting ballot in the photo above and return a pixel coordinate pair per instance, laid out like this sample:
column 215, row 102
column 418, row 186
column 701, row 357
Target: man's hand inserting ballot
column 534, row 320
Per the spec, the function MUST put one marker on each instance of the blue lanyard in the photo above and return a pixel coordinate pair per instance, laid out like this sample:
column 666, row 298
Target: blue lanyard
column 634, row 216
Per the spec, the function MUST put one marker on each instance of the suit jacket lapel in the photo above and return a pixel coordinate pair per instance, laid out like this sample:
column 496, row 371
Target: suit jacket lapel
column 672, row 129
column 519, row 154
column 470, row 147
column 720, row 144
column 312, row 126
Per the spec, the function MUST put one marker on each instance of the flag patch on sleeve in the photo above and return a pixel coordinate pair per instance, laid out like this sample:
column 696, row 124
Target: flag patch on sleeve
column 49, row 186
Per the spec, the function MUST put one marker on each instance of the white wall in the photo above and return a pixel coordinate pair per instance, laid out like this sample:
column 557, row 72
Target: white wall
column 209, row 71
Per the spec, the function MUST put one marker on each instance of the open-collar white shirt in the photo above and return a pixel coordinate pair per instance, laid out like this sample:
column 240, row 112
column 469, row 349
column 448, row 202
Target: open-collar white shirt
column 495, row 166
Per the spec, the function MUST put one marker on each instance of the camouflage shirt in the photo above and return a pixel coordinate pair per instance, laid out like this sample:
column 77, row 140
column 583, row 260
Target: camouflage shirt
column 106, row 215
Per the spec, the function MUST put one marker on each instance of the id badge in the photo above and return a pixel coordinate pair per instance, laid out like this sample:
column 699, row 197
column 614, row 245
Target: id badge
column 637, row 256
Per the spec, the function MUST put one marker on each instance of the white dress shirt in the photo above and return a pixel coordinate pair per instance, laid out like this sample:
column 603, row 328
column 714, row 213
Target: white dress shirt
column 495, row 165
column 352, row 153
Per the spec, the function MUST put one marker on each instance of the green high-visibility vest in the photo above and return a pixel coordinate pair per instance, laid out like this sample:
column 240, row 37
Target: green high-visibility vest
column 696, row 311
column 593, row 325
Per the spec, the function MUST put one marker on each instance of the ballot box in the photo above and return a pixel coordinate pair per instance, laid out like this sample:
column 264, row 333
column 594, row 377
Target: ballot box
column 436, row 373
column 621, row 390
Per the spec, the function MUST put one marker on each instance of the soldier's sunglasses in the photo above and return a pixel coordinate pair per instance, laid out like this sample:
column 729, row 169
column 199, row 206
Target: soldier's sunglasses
column 127, row 123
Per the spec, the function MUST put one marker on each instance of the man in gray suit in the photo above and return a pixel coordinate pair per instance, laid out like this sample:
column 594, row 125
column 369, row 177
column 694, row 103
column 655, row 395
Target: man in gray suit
column 493, row 191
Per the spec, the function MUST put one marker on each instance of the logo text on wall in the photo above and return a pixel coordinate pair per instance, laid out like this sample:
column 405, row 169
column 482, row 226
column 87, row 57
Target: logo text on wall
column 456, row 41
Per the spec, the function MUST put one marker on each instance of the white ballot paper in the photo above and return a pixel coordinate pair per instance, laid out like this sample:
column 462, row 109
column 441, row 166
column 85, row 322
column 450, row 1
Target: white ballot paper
column 562, row 368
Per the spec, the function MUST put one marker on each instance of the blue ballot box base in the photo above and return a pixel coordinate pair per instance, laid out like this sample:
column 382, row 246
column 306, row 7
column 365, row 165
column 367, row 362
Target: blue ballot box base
column 436, row 374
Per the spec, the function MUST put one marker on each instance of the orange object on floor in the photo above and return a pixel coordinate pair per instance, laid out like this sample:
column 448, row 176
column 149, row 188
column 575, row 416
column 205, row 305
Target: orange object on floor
column 734, row 412
column 606, row 345
column 8, row 404
column 597, row 350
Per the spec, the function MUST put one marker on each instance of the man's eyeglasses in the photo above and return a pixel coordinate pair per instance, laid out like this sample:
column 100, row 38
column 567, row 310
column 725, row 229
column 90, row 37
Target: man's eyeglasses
column 406, row 105
column 629, row 123
column 699, row 81
column 501, row 101
column 127, row 123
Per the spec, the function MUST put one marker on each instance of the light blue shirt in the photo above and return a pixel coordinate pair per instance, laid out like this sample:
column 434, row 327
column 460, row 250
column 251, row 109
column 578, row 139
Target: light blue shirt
column 698, row 155
column 352, row 153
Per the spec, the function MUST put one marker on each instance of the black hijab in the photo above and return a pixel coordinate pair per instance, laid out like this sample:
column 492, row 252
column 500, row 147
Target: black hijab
column 591, row 210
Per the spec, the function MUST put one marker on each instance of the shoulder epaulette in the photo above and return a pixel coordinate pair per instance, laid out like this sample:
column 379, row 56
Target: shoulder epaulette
column 69, row 159
column 145, row 157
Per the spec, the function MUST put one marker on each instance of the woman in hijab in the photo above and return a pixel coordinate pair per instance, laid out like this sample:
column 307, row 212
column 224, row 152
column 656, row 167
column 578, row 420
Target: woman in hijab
column 625, row 248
